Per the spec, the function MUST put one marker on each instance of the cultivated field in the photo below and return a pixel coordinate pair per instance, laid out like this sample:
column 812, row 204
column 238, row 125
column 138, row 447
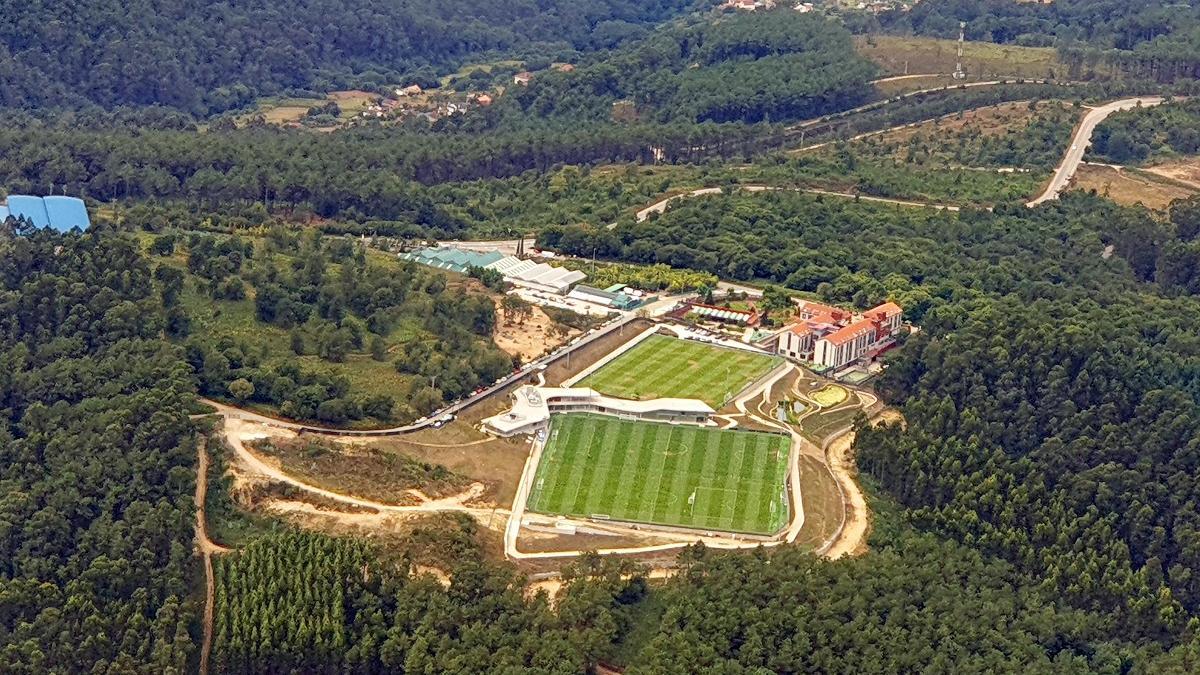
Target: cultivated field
column 666, row 367
column 663, row 474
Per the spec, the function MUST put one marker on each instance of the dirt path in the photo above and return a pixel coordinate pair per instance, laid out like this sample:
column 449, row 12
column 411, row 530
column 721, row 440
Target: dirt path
column 661, row 205
column 238, row 431
column 206, row 547
column 851, row 538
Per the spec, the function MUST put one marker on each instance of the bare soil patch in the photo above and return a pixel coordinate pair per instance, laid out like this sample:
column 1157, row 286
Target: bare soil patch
column 1130, row 187
column 537, row 542
column 993, row 120
column 1185, row 171
column 531, row 337
column 563, row 369
column 497, row 463
column 823, row 504
column 853, row 538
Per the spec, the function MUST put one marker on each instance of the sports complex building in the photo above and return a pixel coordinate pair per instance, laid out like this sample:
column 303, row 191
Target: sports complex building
column 55, row 212
column 532, row 407
column 523, row 273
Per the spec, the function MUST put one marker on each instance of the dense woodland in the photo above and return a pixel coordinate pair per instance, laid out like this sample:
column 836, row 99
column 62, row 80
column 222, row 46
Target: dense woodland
column 763, row 67
column 96, row 464
column 201, row 56
column 1039, row 512
column 862, row 253
column 1156, row 132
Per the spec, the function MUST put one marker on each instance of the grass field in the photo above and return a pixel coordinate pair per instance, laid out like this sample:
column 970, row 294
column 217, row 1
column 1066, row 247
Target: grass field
column 666, row 367
column 981, row 60
column 648, row 473
column 827, row 397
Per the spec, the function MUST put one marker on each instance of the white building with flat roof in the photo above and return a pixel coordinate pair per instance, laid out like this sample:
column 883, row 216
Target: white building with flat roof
column 532, row 407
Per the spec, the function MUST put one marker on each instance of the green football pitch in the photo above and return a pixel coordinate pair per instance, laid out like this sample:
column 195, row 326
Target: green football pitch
column 666, row 367
column 663, row 474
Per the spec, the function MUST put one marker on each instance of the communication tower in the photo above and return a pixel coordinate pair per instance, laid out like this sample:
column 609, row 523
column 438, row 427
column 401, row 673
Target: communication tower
column 959, row 74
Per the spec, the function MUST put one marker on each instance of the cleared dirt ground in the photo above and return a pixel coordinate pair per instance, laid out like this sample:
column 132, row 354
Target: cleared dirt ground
column 992, row 120
column 824, row 507
column 497, row 463
column 530, row 338
column 1185, row 171
column 1128, row 186
column 593, row 352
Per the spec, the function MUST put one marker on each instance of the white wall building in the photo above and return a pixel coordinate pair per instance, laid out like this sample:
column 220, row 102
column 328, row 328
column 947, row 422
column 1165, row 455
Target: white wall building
column 532, row 407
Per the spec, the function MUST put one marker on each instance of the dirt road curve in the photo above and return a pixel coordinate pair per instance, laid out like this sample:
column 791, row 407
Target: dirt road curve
column 661, row 205
column 1080, row 141
column 238, row 431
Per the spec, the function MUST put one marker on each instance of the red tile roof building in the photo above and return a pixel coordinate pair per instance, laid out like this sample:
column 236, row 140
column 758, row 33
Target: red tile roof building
column 832, row 337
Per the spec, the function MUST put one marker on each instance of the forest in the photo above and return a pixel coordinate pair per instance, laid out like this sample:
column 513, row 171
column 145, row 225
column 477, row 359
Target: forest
column 777, row 66
column 203, row 57
column 1043, row 487
column 863, row 254
column 96, row 463
column 1134, row 136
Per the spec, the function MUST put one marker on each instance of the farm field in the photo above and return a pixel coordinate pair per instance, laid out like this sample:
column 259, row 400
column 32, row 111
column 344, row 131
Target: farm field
column 667, row 367
column 663, row 474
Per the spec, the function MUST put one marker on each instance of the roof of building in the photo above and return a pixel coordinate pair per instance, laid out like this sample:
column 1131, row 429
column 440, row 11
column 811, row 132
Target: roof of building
column 450, row 258
column 848, row 333
column 32, row 209
column 808, row 308
column 532, row 404
column 887, row 309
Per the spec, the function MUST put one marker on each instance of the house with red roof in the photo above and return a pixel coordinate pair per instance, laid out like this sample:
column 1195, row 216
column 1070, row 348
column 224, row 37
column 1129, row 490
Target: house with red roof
column 832, row 337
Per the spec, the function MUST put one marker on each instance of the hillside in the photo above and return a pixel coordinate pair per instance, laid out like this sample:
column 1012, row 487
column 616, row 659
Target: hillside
column 202, row 56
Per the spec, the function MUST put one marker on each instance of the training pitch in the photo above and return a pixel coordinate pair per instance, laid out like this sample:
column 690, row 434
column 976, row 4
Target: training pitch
column 662, row 474
column 665, row 367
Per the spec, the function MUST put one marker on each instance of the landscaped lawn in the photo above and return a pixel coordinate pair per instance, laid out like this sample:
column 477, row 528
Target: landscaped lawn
column 663, row 474
column 829, row 396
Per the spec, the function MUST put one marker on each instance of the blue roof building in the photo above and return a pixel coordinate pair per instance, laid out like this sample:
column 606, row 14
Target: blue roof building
column 32, row 209
column 59, row 213
column 66, row 213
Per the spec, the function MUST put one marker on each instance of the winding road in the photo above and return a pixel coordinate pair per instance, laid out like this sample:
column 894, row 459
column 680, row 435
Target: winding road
column 1082, row 139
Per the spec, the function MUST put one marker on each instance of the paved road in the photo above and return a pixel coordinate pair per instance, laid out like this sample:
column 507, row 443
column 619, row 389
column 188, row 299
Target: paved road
column 1082, row 139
